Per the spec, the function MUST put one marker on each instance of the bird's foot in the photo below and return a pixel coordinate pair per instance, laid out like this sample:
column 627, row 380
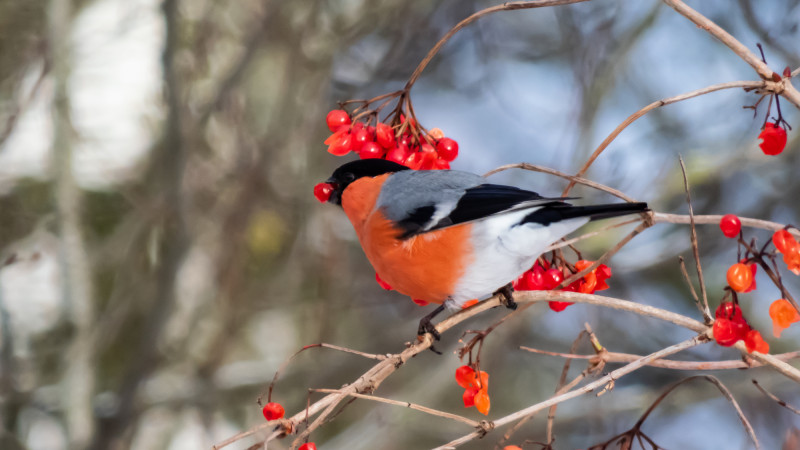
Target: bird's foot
column 426, row 326
column 507, row 298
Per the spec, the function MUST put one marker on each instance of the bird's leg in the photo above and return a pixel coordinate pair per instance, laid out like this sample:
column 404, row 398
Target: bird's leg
column 425, row 326
column 507, row 292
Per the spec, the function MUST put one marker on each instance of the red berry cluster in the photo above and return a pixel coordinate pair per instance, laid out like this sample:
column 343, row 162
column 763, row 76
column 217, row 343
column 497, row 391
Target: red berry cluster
column 476, row 388
column 731, row 327
column 543, row 277
column 404, row 143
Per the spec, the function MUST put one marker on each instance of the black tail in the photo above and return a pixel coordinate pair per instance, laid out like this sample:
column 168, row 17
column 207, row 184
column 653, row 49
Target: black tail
column 557, row 212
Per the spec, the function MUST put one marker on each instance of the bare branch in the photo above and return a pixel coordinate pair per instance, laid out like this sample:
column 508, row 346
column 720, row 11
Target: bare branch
column 614, row 357
column 508, row 6
column 615, row 375
column 413, row 406
column 695, row 246
column 776, row 399
column 725, row 393
column 657, row 104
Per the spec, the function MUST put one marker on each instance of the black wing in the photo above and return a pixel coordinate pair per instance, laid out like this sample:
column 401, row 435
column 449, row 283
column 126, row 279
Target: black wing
column 476, row 203
column 490, row 199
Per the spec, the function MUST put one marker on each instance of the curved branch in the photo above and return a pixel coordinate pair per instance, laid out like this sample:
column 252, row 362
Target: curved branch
column 508, row 6
column 657, row 104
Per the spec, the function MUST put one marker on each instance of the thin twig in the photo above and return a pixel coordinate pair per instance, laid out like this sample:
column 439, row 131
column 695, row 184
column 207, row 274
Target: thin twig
column 657, row 104
column 551, row 413
column 695, row 247
column 776, row 399
column 782, row 86
column 572, row 178
column 413, row 406
column 703, row 22
column 508, row 6
column 606, row 256
column 714, row 219
column 688, row 280
column 615, row 357
column 725, row 393
column 569, row 242
column 319, row 345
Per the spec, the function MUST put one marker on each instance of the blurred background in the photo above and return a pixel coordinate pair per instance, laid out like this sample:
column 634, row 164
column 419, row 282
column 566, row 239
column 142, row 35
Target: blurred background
column 162, row 252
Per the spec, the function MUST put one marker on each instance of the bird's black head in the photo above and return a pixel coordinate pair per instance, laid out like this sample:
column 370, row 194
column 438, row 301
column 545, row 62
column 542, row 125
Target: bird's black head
column 352, row 171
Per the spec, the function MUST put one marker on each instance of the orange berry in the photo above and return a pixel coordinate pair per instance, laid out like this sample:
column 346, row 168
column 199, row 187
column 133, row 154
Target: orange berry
column 783, row 240
column 482, row 403
column 740, row 277
column 783, row 314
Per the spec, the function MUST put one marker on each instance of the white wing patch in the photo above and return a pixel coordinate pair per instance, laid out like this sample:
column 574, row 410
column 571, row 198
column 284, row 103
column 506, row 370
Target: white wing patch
column 503, row 250
column 442, row 210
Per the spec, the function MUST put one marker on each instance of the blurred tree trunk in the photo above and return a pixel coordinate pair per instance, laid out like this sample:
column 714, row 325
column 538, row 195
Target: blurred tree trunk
column 79, row 378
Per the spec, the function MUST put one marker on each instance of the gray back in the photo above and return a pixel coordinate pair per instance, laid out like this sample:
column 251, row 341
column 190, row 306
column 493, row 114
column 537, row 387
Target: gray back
column 408, row 190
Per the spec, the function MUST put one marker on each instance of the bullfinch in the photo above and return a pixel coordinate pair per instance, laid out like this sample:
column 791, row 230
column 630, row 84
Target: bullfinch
column 447, row 236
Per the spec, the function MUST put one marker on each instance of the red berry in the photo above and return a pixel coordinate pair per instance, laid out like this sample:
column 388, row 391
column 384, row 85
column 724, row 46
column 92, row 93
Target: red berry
column 360, row 137
column 465, row 376
column 754, row 342
column 441, row 164
column 773, row 139
column 730, row 311
column 414, row 161
column 469, row 397
column 447, row 148
column 382, row 283
column 552, row 278
column 337, row 119
column 428, row 161
column 323, row 192
column 740, row 277
column 272, row 411
column 398, row 154
column 730, row 225
column 384, row 135
column 371, row 150
column 308, row 446
column 728, row 332
column 340, row 143
column 558, row 306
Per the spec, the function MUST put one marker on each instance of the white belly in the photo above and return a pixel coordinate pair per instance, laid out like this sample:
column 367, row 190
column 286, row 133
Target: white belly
column 504, row 250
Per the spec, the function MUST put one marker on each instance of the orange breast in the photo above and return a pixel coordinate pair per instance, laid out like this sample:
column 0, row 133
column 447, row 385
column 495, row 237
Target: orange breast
column 426, row 266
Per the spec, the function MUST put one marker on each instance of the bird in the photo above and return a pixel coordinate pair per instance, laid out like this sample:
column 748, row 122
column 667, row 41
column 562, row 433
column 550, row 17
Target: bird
column 447, row 236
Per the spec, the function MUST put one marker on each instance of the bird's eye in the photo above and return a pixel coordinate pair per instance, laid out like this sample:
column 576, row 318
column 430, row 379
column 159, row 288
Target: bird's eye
column 349, row 177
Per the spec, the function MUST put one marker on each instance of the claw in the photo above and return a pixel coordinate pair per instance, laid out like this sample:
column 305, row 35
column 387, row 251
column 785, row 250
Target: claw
column 507, row 292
